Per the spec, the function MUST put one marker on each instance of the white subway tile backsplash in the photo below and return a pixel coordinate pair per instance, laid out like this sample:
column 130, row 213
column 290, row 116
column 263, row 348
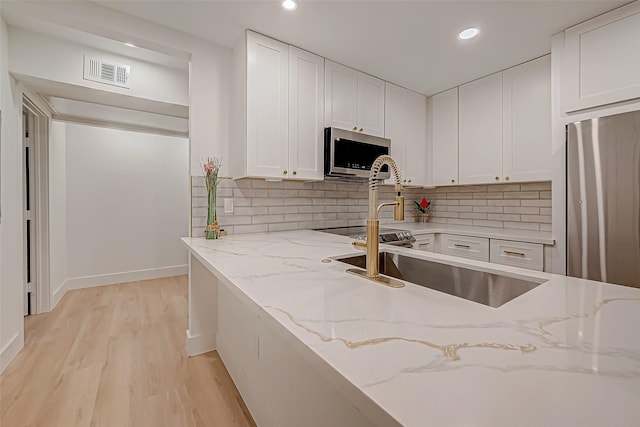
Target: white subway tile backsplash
column 261, row 206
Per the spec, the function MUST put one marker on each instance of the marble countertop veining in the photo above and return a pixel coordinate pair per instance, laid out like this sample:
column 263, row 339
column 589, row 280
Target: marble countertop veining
column 530, row 236
column 564, row 354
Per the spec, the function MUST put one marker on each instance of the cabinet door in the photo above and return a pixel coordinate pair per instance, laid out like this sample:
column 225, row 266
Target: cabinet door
column 306, row 114
column 370, row 107
column 415, row 160
column 341, row 94
column 444, row 128
column 526, row 138
column 267, row 106
column 601, row 63
column 480, row 131
column 395, row 127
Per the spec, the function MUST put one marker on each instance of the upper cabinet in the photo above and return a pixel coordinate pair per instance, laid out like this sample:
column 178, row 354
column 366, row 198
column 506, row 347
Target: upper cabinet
column 306, row 114
column 354, row 101
column 267, row 126
column 405, row 126
column 480, row 130
column 505, row 125
column 280, row 126
column 601, row 63
column 526, row 121
column 443, row 117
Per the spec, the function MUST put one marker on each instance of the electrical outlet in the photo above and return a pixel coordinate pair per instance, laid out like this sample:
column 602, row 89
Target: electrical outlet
column 228, row 205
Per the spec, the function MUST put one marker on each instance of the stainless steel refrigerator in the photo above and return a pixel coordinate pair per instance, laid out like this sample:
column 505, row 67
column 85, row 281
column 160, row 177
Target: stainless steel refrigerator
column 603, row 199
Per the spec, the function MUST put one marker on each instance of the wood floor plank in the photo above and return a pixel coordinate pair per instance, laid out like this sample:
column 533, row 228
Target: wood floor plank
column 114, row 356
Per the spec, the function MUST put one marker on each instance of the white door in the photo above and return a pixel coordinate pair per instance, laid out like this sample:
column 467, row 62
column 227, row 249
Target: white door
column 267, row 107
column 480, row 131
column 395, row 127
column 526, row 139
column 29, row 185
column 341, row 93
column 416, row 163
column 370, row 107
column 444, row 128
column 306, row 114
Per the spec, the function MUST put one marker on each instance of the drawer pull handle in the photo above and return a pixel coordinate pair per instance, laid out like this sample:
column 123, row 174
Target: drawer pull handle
column 461, row 246
column 424, row 244
column 514, row 253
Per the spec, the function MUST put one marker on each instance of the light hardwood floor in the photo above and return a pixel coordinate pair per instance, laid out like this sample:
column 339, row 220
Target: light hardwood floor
column 115, row 356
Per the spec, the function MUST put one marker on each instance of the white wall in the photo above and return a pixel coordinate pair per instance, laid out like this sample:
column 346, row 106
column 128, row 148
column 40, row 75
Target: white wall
column 11, row 239
column 57, row 209
column 210, row 65
column 127, row 198
column 42, row 56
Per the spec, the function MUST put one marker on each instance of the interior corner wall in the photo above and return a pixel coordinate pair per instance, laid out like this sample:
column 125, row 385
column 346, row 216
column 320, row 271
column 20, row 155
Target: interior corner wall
column 57, row 210
column 11, row 227
column 127, row 195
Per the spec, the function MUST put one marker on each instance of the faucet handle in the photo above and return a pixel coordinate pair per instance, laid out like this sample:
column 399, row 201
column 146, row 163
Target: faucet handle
column 360, row 244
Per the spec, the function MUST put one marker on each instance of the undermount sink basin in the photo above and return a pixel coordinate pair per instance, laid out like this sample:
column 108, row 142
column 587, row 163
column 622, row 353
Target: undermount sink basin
column 485, row 288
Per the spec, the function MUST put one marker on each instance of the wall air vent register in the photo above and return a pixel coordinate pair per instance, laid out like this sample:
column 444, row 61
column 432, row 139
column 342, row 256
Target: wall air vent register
column 104, row 72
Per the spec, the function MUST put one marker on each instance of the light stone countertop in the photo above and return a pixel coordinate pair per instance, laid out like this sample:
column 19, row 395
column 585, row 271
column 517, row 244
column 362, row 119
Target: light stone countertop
column 564, row 354
column 530, row 236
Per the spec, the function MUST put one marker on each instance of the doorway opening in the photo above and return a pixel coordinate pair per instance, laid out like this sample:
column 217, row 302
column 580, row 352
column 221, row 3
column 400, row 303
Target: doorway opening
column 35, row 141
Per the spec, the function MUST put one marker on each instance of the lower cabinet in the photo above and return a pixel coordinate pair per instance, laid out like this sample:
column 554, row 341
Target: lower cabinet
column 505, row 252
column 517, row 254
column 465, row 246
column 425, row 242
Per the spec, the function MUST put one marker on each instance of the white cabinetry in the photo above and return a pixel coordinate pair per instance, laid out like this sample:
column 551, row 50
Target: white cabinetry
column 505, row 126
column 425, row 242
column 465, row 246
column 443, row 116
column 517, row 254
column 280, row 126
column 267, row 106
column 405, row 126
column 354, row 101
column 526, row 136
column 480, row 130
column 306, row 114
column 602, row 60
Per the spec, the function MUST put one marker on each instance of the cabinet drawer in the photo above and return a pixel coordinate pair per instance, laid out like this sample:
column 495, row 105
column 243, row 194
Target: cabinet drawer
column 464, row 246
column 425, row 242
column 517, row 254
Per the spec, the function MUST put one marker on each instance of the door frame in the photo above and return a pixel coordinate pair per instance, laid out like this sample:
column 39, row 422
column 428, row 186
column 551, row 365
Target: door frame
column 40, row 143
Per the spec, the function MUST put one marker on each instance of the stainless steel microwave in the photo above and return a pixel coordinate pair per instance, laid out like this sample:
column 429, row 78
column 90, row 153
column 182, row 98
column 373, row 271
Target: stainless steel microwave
column 349, row 155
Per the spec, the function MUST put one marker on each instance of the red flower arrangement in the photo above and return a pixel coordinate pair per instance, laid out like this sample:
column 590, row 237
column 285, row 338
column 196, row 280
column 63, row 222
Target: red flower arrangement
column 423, row 206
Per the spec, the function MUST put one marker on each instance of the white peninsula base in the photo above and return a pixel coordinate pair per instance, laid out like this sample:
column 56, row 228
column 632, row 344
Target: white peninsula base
column 278, row 385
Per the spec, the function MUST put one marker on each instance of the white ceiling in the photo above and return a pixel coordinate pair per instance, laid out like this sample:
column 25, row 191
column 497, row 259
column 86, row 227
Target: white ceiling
column 410, row 43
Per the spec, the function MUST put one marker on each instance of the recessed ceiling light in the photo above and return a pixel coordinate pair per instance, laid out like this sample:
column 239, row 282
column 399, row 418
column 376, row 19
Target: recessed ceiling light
column 289, row 4
column 130, row 44
column 469, row 33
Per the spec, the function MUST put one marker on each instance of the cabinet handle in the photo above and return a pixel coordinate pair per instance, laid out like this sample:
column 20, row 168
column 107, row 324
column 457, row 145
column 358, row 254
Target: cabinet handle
column 461, row 246
column 514, row 253
column 361, row 129
column 295, row 172
column 355, row 128
column 497, row 178
column 404, row 180
column 285, row 172
column 409, row 180
column 423, row 244
column 506, row 178
column 453, row 180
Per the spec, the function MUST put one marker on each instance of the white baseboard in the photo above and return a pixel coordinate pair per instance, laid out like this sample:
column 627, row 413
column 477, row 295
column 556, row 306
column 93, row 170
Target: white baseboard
column 10, row 351
column 198, row 344
column 113, row 278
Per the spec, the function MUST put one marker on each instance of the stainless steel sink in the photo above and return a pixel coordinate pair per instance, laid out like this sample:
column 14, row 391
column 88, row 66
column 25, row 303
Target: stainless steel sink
column 486, row 288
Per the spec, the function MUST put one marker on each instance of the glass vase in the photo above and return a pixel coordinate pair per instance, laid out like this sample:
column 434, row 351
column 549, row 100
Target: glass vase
column 213, row 228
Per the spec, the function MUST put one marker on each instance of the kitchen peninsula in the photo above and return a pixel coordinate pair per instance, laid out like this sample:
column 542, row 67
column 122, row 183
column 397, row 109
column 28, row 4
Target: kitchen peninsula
column 344, row 351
